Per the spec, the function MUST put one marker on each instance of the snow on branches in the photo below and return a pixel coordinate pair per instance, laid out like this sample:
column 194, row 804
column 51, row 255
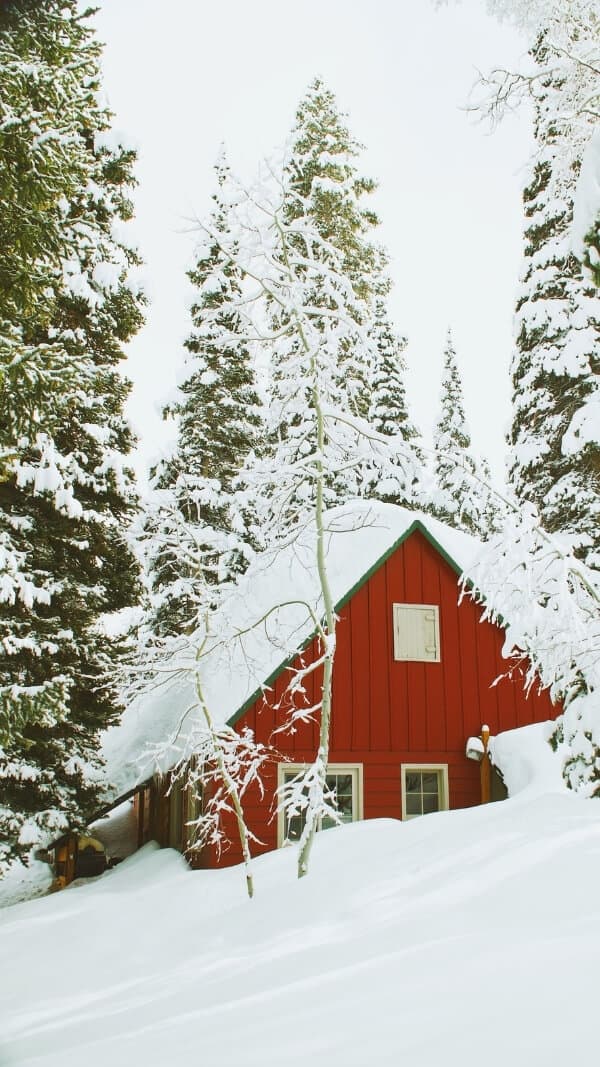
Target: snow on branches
column 548, row 601
column 68, row 302
column 195, row 523
column 219, row 767
column 569, row 58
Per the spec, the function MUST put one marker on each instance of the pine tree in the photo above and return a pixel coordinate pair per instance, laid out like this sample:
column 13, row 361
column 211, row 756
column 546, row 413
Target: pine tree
column 556, row 380
column 66, row 495
column 555, row 448
column 324, row 185
column 198, row 525
column 461, row 498
column 555, row 453
column 42, row 164
column 396, row 480
column 554, row 442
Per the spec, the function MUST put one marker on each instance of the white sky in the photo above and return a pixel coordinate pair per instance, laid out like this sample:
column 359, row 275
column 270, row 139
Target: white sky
column 183, row 76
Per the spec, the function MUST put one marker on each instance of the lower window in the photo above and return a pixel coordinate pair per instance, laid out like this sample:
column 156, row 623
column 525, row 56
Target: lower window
column 344, row 781
column 424, row 789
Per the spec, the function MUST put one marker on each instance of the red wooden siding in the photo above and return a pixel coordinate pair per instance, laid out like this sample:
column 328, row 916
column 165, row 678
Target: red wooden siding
column 386, row 712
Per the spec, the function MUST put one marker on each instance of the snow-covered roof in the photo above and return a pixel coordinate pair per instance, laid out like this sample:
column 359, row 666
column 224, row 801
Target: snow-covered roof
column 265, row 621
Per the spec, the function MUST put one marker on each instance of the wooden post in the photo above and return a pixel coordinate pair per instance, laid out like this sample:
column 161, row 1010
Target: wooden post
column 153, row 811
column 162, row 813
column 140, row 800
column 485, row 766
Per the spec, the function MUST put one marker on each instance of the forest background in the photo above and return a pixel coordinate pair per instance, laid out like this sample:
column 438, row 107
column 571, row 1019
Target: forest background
column 449, row 194
column 72, row 300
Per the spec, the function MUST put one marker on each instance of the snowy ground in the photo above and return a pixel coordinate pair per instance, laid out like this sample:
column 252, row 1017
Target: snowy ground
column 460, row 938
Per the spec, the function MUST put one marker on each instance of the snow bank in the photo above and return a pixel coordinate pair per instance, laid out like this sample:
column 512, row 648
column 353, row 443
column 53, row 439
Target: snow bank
column 117, row 831
column 528, row 763
column 24, row 883
column 359, row 535
column 440, row 940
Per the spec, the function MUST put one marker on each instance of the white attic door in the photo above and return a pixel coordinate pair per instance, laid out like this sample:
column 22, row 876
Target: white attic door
column 417, row 632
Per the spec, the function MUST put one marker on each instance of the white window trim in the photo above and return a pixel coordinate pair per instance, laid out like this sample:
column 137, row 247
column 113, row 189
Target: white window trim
column 332, row 768
column 436, row 623
column 444, row 797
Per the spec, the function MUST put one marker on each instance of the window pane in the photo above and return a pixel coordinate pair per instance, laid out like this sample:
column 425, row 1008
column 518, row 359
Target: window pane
column 413, row 804
column 343, row 787
column 294, row 827
column 430, row 803
column 344, row 805
column 430, row 782
column 413, row 782
column 343, row 784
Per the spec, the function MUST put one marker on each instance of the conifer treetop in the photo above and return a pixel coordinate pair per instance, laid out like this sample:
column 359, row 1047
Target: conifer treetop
column 326, row 183
column 389, row 412
column 451, row 428
column 463, row 495
column 395, row 477
column 220, row 413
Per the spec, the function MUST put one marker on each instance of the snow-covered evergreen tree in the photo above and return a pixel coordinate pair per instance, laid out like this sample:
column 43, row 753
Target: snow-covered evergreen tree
column 66, row 494
column 323, row 183
column 395, row 481
column 42, row 164
column 462, row 496
column 555, row 449
column 548, row 601
column 555, row 446
column 555, row 454
column 196, row 525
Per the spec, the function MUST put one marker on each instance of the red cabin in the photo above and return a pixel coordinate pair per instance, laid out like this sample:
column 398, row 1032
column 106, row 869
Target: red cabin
column 413, row 679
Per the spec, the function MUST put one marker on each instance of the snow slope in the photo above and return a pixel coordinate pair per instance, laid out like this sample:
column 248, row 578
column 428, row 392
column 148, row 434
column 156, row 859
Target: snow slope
column 236, row 666
column 461, row 938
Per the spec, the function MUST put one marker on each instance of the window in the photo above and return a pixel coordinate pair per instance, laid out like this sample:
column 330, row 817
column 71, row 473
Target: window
column 344, row 780
column 417, row 632
column 424, row 789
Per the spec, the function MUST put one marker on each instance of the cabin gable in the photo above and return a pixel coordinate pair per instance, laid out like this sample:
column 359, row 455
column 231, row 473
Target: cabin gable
column 391, row 716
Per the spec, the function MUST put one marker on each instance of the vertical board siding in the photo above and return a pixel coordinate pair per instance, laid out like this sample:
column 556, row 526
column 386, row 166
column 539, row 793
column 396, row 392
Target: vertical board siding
column 471, row 682
column 397, row 674
column 450, row 645
column 361, row 669
column 434, row 678
column 342, row 717
column 486, row 641
column 379, row 642
column 386, row 712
